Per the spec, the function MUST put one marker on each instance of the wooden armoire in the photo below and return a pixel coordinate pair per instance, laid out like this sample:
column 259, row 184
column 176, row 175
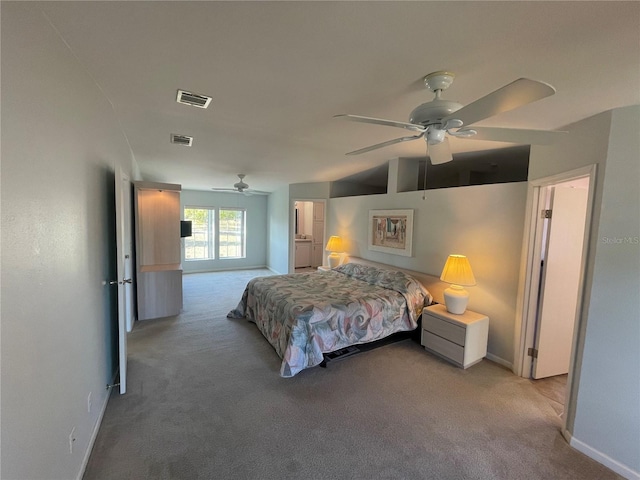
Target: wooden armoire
column 158, row 252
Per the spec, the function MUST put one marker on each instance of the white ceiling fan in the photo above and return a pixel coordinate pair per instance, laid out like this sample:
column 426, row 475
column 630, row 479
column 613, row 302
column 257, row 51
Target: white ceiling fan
column 241, row 187
column 438, row 119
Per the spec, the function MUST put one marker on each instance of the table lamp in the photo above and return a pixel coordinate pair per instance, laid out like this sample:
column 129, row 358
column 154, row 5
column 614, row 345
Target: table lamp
column 334, row 245
column 457, row 272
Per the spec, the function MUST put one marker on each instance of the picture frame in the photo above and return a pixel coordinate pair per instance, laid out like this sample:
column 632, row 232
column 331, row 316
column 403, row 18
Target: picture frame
column 391, row 231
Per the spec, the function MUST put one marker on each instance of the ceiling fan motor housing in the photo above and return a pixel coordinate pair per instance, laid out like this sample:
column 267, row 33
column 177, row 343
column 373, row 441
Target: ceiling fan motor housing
column 433, row 112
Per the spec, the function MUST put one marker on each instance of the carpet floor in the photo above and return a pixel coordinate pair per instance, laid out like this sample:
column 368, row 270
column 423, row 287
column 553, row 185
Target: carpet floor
column 205, row 401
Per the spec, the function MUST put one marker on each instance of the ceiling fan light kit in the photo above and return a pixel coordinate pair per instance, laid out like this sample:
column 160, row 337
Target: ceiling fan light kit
column 439, row 118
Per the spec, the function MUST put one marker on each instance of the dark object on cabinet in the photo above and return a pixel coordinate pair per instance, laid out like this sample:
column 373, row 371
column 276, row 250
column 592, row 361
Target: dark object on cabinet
column 185, row 228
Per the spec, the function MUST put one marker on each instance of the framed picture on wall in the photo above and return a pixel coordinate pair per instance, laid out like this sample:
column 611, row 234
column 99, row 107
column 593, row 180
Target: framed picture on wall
column 391, row 231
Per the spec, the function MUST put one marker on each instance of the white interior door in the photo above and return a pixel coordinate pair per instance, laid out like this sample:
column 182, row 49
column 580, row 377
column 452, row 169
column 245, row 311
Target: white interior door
column 124, row 267
column 561, row 280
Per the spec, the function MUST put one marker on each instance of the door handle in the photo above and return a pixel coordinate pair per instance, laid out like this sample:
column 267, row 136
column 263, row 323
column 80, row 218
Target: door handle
column 115, row 282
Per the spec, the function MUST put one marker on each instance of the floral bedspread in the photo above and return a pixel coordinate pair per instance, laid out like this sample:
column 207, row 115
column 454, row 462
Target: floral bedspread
column 304, row 315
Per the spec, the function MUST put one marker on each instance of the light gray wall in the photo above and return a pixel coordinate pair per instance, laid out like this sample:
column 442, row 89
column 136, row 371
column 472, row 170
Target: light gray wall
column 607, row 418
column 605, row 423
column 278, row 212
column 309, row 191
column 484, row 222
column 60, row 148
column 256, row 211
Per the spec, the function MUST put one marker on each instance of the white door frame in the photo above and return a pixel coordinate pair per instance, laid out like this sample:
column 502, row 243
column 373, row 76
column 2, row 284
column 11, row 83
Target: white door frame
column 529, row 283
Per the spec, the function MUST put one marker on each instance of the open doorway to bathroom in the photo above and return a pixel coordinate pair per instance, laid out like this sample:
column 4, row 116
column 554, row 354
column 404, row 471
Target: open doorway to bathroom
column 309, row 223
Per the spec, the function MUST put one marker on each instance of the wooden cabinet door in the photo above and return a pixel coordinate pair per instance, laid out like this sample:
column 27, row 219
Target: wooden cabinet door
column 317, row 255
column 318, row 212
column 303, row 254
column 159, row 294
column 318, row 233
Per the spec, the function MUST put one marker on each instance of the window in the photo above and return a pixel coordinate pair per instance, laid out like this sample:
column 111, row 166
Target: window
column 226, row 232
column 200, row 245
column 232, row 233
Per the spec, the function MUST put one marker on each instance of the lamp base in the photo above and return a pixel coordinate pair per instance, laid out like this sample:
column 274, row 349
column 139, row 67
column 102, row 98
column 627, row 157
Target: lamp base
column 333, row 259
column 456, row 299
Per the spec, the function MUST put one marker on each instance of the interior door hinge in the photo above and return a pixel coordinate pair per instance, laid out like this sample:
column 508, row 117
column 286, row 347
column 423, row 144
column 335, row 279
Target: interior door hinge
column 546, row 214
column 532, row 352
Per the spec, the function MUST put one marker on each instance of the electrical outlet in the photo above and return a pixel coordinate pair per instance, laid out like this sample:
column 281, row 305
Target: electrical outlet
column 89, row 403
column 72, row 438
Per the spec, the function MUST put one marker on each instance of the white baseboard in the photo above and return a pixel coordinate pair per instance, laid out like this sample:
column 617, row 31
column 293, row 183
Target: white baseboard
column 604, row 459
column 96, row 429
column 229, row 269
column 500, row 361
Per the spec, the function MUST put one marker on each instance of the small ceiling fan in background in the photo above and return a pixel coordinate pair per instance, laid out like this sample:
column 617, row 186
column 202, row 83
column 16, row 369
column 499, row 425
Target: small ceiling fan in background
column 241, row 187
column 436, row 120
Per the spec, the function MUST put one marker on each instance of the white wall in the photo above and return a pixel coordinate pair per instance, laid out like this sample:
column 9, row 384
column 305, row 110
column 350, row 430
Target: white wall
column 484, row 222
column 256, row 211
column 60, row 148
column 605, row 421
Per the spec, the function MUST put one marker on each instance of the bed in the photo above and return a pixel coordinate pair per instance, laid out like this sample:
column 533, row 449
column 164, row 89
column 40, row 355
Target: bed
column 306, row 315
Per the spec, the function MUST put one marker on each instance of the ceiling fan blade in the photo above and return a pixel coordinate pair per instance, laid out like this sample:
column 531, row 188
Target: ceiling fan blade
column 440, row 152
column 255, row 192
column 514, row 135
column 384, row 144
column 516, row 94
column 381, row 121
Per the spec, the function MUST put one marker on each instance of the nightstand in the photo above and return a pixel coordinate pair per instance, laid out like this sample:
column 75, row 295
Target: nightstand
column 460, row 339
column 324, row 268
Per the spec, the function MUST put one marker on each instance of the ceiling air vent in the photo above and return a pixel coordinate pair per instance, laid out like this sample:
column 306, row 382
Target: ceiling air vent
column 184, row 140
column 188, row 98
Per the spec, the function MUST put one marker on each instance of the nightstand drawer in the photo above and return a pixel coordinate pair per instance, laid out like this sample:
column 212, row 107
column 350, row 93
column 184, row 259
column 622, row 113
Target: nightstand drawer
column 444, row 329
column 444, row 347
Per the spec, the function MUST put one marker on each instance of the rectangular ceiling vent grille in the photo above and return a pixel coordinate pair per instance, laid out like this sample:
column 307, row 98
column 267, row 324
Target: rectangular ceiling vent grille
column 189, row 98
column 184, row 140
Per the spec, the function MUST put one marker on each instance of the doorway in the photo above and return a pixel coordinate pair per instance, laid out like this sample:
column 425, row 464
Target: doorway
column 308, row 234
column 559, row 214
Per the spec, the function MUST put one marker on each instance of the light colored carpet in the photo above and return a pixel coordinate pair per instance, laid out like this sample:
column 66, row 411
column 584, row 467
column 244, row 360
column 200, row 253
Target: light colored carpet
column 554, row 388
column 205, row 401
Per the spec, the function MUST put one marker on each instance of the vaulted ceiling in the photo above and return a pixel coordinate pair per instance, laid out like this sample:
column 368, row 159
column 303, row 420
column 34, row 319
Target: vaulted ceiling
column 279, row 71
